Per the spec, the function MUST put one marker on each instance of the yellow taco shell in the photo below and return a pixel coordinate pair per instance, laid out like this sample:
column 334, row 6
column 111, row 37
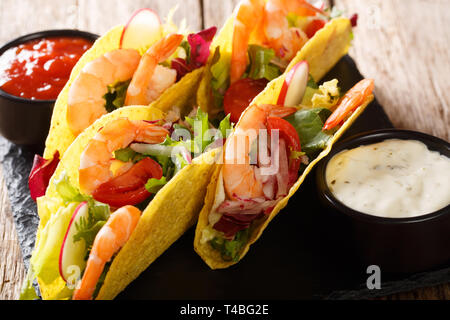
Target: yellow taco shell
column 60, row 136
column 213, row 257
column 172, row 211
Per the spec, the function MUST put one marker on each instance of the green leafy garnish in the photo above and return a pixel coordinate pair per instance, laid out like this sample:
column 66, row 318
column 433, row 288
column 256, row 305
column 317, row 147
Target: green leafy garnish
column 154, row 185
column 220, row 75
column 66, row 190
column 311, row 83
column 309, row 123
column 231, row 249
column 187, row 49
column 115, row 97
column 28, row 292
column 87, row 229
column 200, row 125
column 260, row 66
column 225, row 127
column 128, row 154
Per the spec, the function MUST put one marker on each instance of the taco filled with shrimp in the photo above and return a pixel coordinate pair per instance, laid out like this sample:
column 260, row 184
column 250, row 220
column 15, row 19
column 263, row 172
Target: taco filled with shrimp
column 276, row 143
column 145, row 62
column 258, row 43
column 128, row 187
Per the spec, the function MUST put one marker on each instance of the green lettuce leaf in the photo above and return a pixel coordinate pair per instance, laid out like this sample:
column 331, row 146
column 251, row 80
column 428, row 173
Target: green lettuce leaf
column 128, row 154
column 308, row 123
column 225, row 127
column 45, row 258
column 220, row 76
column 260, row 66
column 115, row 97
column 231, row 249
column 87, row 229
column 66, row 190
column 27, row 291
column 154, row 185
column 200, row 126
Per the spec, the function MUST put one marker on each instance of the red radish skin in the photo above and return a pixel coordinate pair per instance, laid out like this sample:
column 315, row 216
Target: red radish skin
column 292, row 81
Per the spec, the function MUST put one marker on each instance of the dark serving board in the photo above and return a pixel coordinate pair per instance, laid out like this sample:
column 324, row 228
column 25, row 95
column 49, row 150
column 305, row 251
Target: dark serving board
column 303, row 254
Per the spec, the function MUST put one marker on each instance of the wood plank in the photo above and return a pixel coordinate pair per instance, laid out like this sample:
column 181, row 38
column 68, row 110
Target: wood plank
column 12, row 271
column 216, row 12
column 98, row 17
column 26, row 16
column 404, row 46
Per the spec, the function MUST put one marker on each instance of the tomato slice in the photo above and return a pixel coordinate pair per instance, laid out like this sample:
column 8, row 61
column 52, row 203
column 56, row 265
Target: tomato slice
column 290, row 136
column 240, row 94
column 129, row 187
column 314, row 26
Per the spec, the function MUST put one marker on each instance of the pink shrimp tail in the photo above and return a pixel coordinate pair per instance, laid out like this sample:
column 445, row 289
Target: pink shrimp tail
column 111, row 237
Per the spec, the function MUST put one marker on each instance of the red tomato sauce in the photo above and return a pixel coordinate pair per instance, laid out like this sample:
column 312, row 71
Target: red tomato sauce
column 40, row 68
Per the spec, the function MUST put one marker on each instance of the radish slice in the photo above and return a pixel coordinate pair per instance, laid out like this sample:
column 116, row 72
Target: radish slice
column 294, row 85
column 71, row 256
column 143, row 29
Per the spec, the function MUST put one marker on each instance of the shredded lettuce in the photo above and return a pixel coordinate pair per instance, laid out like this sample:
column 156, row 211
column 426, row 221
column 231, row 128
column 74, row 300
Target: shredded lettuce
column 260, row 66
column 154, row 185
column 27, row 291
column 187, row 50
column 45, row 258
column 115, row 97
column 220, row 72
column 66, row 190
column 230, row 249
column 325, row 96
column 98, row 212
column 127, row 154
column 200, row 124
column 225, row 127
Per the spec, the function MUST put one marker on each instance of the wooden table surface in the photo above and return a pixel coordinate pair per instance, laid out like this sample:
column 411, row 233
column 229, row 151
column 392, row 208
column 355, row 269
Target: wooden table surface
column 402, row 44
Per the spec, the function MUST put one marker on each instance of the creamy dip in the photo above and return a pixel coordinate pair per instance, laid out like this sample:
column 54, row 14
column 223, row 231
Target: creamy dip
column 393, row 178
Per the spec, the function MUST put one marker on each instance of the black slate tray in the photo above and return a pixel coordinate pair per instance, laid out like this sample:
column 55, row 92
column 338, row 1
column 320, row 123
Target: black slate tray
column 303, row 254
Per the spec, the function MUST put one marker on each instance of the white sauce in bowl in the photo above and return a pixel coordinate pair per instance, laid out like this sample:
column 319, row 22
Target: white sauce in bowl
column 393, row 178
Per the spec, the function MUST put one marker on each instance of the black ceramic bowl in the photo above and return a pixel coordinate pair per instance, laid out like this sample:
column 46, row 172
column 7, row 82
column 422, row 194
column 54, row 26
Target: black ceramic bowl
column 396, row 245
column 25, row 121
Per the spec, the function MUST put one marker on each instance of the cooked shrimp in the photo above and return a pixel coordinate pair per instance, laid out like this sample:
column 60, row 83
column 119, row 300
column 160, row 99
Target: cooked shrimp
column 85, row 102
column 284, row 40
column 239, row 176
column 150, row 79
column 96, row 159
column 351, row 100
column 111, row 237
column 271, row 18
column 248, row 15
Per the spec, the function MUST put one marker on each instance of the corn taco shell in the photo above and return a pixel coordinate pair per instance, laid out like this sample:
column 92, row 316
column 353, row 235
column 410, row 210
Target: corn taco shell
column 60, row 136
column 322, row 52
column 170, row 213
column 213, row 257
